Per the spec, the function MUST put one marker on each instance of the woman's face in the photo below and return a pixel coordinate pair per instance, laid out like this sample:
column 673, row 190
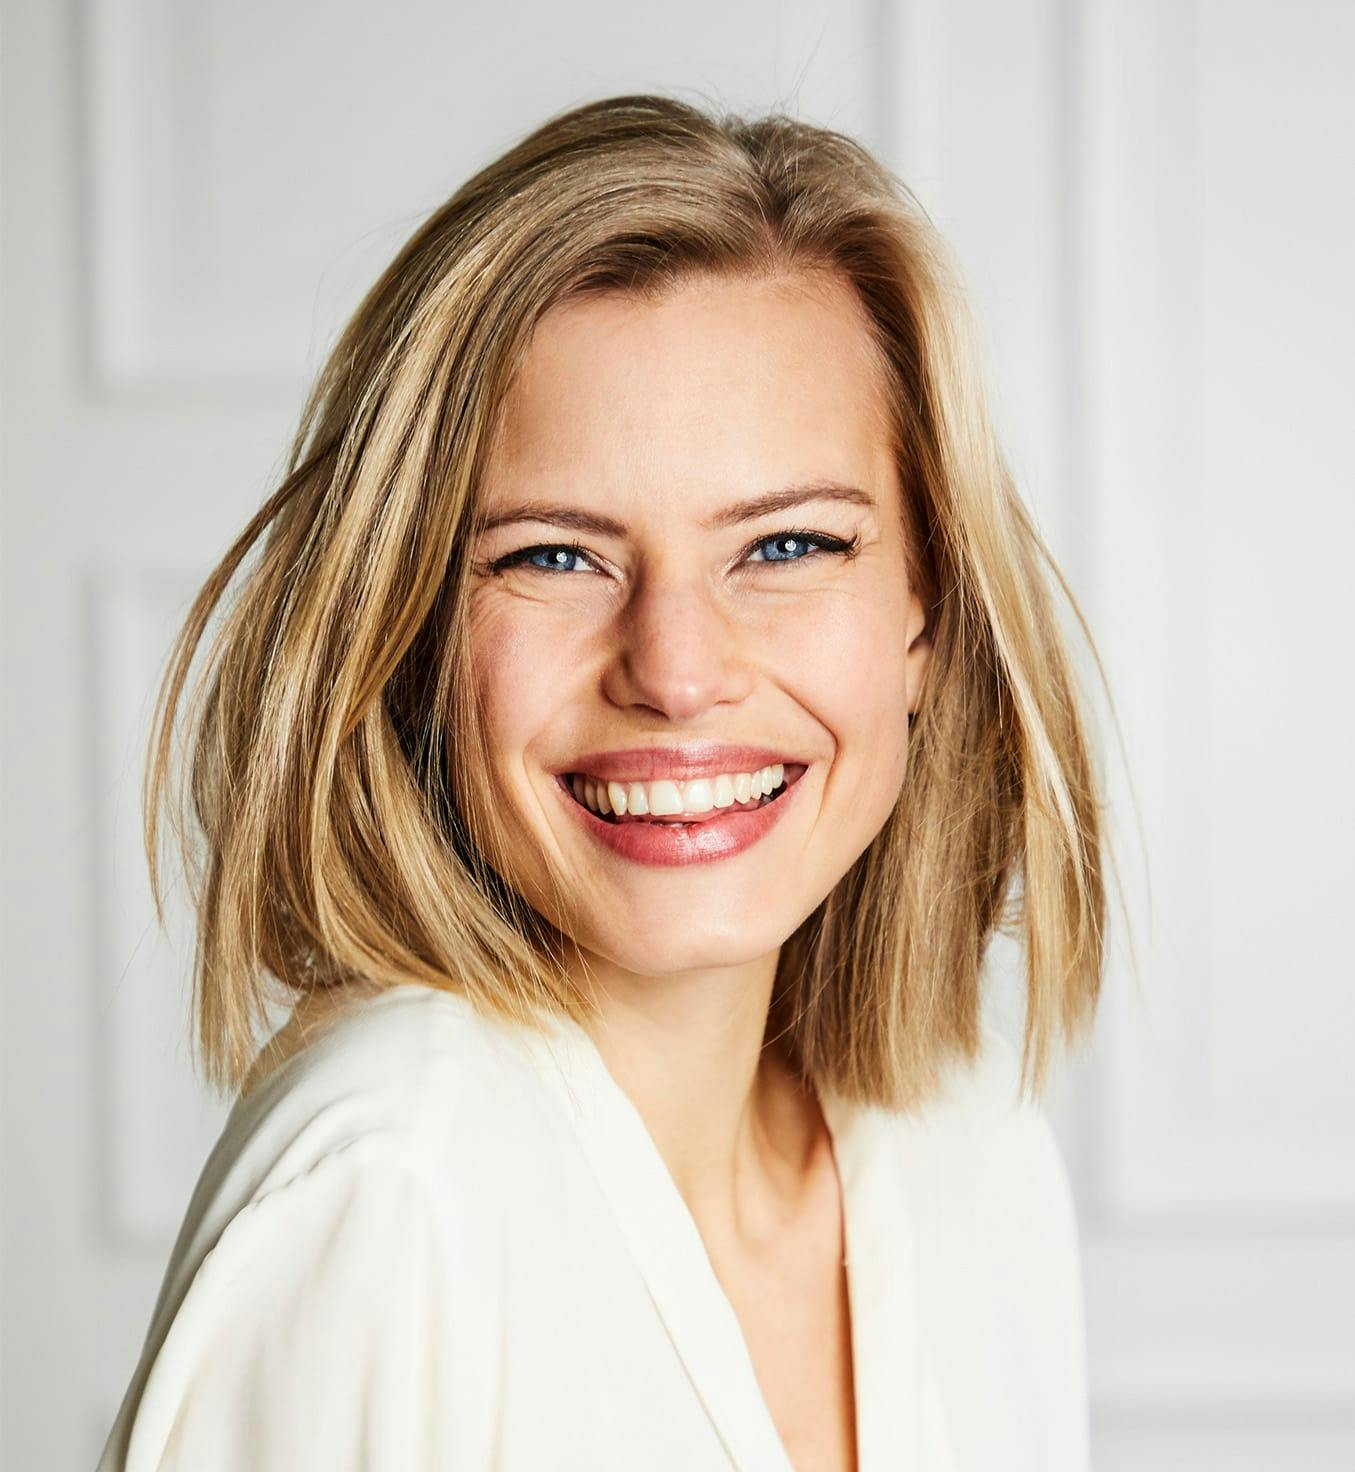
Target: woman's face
column 631, row 616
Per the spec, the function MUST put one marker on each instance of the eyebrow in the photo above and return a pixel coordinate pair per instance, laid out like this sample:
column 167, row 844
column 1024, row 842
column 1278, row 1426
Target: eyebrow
column 576, row 518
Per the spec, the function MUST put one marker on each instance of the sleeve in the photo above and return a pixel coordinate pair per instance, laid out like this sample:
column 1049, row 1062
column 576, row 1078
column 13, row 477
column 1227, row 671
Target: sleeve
column 311, row 1336
column 1034, row 1289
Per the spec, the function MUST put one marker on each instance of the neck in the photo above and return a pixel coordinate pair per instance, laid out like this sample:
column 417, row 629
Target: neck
column 735, row 1128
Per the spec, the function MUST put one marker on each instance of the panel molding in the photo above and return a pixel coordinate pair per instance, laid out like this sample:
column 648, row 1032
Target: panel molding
column 1219, row 1259
column 1174, row 1146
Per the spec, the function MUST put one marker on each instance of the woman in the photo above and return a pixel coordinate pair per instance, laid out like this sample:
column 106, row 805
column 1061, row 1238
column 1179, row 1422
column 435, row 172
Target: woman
column 618, row 757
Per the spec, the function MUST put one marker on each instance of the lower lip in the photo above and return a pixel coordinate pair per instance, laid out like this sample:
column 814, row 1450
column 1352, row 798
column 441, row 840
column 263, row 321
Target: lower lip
column 669, row 844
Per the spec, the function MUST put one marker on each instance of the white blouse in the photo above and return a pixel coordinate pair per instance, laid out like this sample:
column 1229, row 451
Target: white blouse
column 436, row 1240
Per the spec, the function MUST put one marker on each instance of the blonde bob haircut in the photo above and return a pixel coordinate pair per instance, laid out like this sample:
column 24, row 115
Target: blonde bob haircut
column 335, row 746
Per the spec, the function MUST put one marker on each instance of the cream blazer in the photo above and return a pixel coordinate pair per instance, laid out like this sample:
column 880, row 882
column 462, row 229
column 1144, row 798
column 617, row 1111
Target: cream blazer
column 435, row 1240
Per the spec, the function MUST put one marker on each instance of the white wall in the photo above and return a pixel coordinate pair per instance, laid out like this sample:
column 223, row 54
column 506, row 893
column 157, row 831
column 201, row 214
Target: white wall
column 1152, row 202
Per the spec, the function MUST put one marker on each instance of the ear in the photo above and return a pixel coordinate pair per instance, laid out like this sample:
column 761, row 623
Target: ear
column 917, row 660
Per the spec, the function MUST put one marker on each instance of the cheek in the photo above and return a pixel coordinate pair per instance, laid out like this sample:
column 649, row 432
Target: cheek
column 517, row 672
column 852, row 675
column 520, row 681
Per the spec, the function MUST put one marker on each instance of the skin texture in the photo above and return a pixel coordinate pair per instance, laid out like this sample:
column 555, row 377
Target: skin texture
column 659, row 415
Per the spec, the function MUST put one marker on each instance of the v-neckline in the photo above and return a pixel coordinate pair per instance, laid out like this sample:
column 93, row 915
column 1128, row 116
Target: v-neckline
column 898, row 1416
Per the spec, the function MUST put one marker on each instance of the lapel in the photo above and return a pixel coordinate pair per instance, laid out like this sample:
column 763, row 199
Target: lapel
column 899, row 1417
column 898, row 1413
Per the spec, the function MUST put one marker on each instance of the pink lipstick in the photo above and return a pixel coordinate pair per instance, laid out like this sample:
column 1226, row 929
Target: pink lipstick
column 719, row 834
column 677, row 763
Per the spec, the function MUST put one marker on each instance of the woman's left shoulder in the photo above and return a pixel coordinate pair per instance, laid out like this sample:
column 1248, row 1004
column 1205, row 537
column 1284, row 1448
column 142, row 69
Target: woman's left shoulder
column 997, row 1264
column 981, row 1144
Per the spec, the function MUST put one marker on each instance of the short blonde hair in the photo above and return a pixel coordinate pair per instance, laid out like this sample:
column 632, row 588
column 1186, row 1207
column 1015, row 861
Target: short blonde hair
column 335, row 729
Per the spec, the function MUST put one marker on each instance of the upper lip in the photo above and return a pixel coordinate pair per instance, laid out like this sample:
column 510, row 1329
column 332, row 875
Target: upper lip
column 676, row 763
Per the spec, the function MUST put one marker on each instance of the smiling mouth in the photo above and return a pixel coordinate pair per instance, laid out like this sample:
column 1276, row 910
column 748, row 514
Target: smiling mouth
column 793, row 773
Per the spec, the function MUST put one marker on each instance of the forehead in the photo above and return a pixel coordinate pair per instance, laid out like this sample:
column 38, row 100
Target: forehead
column 719, row 387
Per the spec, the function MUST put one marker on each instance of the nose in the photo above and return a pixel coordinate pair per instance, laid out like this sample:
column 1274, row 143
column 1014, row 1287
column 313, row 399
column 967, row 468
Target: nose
column 678, row 651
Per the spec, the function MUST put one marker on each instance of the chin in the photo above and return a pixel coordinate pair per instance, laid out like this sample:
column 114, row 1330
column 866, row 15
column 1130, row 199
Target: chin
column 705, row 949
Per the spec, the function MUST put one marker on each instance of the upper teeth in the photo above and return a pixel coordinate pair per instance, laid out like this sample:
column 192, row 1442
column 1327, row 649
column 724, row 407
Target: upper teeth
column 660, row 798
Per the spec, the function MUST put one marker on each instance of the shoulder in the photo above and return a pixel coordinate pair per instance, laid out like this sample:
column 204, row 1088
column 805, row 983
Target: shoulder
column 980, row 1144
column 998, row 1264
column 410, row 1097
column 310, row 1322
column 384, row 1043
column 347, row 1221
column 422, row 1068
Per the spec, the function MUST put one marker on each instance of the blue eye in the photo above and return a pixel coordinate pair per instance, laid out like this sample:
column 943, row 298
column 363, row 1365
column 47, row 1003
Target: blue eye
column 558, row 558
column 793, row 546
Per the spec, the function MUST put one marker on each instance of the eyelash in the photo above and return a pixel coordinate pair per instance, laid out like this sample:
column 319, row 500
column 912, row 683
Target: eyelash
column 835, row 546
